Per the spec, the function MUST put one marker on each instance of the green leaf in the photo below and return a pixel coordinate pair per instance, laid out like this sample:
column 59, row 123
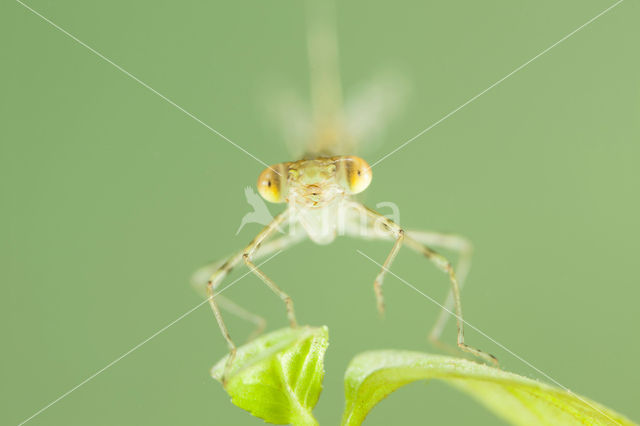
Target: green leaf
column 371, row 376
column 278, row 377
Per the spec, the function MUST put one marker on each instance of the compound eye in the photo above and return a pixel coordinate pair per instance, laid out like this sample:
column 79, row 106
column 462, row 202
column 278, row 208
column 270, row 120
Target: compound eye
column 272, row 184
column 357, row 173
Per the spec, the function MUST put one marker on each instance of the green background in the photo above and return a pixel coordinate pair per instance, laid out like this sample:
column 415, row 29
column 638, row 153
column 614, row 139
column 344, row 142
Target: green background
column 111, row 197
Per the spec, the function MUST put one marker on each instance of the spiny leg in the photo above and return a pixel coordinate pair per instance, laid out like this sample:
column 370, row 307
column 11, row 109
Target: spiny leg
column 392, row 229
column 201, row 277
column 284, row 296
column 212, row 275
column 444, row 265
column 463, row 248
column 237, row 310
column 224, row 270
column 248, row 255
column 398, row 233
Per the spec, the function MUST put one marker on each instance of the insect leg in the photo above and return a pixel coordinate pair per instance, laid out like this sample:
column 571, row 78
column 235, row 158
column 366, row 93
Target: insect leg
column 200, row 278
column 228, row 305
column 214, row 281
column 376, row 221
column 444, row 265
column 391, row 230
column 464, row 249
column 248, row 255
column 222, row 271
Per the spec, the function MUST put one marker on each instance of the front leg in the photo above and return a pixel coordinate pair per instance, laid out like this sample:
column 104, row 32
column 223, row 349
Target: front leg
column 445, row 266
column 248, row 255
column 394, row 230
column 222, row 271
column 464, row 249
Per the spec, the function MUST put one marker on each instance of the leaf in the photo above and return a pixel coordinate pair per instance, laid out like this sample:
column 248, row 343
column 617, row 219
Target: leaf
column 278, row 377
column 371, row 376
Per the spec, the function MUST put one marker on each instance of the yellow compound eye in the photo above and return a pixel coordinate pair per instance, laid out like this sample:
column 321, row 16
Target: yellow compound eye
column 357, row 174
column 272, row 183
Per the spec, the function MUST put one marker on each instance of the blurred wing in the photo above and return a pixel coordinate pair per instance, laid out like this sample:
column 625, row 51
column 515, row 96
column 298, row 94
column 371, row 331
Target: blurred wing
column 293, row 119
column 371, row 108
column 339, row 128
column 328, row 127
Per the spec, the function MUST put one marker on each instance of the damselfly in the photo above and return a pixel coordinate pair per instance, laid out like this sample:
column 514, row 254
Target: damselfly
column 318, row 190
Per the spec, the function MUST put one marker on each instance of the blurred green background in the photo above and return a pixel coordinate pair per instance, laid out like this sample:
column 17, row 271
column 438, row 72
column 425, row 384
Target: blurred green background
column 111, row 197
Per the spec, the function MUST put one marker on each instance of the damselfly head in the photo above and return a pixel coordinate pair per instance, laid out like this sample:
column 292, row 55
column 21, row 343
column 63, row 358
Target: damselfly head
column 315, row 182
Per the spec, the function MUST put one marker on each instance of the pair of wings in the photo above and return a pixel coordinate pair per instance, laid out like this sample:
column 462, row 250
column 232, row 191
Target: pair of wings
column 329, row 125
column 357, row 127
